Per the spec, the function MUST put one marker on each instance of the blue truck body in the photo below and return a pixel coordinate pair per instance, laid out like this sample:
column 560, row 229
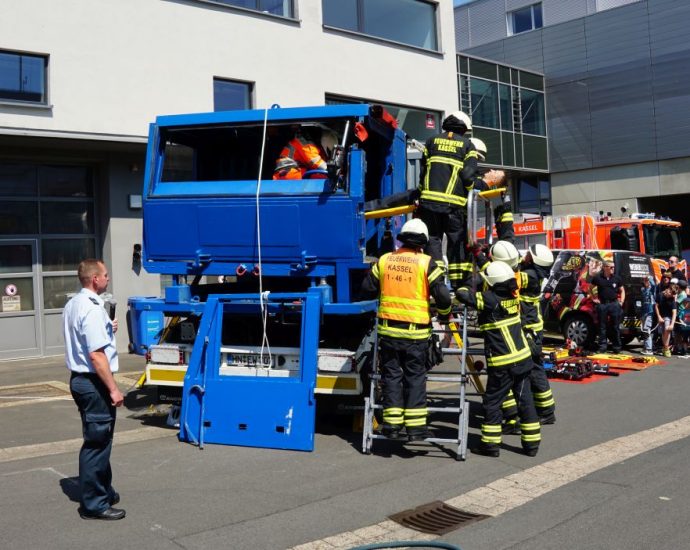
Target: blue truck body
column 248, row 256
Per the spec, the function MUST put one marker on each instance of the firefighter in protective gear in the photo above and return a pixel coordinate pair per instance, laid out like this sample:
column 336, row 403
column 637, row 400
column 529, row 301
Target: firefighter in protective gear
column 304, row 152
column 404, row 281
column 447, row 173
column 532, row 271
column 508, row 358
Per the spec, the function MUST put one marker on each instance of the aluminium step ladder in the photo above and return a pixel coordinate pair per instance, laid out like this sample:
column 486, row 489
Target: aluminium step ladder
column 461, row 409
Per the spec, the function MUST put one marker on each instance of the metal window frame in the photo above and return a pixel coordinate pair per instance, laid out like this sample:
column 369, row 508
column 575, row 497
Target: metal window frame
column 250, row 83
column 46, row 75
column 510, row 21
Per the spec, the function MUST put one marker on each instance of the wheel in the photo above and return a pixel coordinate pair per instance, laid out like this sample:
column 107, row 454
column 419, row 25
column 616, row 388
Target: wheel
column 579, row 328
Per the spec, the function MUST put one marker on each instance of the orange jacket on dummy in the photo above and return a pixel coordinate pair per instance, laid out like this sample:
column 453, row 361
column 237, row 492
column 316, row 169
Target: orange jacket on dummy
column 297, row 157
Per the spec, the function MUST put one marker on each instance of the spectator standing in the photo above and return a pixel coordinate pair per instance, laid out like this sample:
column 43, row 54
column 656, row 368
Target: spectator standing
column 666, row 310
column 648, row 315
column 91, row 357
column 609, row 299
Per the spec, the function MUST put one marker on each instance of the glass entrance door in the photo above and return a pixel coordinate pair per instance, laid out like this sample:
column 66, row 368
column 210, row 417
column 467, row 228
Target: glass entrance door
column 20, row 330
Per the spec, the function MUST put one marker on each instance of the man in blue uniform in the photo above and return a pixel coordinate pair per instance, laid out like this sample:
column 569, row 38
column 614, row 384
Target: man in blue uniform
column 91, row 357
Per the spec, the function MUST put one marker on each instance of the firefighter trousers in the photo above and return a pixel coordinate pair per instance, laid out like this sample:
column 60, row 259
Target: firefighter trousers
column 454, row 225
column 403, row 373
column 500, row 381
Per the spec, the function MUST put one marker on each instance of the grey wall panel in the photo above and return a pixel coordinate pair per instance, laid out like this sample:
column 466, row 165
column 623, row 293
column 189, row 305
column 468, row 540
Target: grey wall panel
column 570, row 133
column 487, row 21
column 462, row 29
column 525, row 50
column 565, row 52
column 511, row 5
column 668, row 26
column 616, row 37
column 558, row 11
column 494, row 50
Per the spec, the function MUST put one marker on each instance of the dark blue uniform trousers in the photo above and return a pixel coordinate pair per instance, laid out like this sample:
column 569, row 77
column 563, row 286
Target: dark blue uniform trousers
column 98, row 425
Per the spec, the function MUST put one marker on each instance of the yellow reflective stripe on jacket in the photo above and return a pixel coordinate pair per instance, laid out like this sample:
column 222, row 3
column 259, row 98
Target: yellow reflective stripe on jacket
column 480, row 302
column 443, row 197
column 510, row 321
column 535, row 327
column 515, row 357
column 530, row 299
column 411, row 332
column 436, row 273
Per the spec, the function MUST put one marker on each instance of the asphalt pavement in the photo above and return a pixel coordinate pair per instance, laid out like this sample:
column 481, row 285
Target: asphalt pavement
column 178, row 496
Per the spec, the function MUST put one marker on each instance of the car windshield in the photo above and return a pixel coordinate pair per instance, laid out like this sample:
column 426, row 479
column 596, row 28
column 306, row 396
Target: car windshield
column 662, row 241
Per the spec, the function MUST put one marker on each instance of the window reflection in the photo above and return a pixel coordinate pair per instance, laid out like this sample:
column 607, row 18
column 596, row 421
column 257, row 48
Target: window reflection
column 66, row 217
column 15, row 258
column 65, row 254
column 484, row 103
column 533, row 120
column 58, row 290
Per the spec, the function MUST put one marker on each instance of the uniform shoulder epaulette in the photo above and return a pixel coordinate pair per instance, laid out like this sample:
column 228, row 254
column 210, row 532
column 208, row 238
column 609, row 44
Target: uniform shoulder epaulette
column 93, row 300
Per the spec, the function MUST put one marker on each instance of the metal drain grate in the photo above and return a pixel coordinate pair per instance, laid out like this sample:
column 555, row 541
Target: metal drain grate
column 436, row 518
column 33, row 391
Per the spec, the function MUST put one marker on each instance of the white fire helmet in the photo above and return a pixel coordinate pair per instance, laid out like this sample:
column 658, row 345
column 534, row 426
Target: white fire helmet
column 415, row 226
column 503, row 251
column 497, row 272
column 456, row 119
column 480, row 146
column 541, row 255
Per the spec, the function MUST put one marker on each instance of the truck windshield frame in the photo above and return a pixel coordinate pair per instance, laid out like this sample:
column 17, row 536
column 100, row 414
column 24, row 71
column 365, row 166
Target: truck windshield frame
column 224, row 159
column 662, row 241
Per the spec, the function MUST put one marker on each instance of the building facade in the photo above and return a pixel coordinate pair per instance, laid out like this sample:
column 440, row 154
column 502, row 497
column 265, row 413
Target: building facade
column 80, row 81
column 617, row 77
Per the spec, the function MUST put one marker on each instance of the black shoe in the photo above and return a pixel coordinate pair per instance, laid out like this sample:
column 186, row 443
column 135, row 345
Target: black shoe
column 493, row 452
column 418, row 434
column 511, row 428
column 530, row 452
column 617, row 350
column 114, row 499
column 109, row 514
column 548, row 419
column 392, row 433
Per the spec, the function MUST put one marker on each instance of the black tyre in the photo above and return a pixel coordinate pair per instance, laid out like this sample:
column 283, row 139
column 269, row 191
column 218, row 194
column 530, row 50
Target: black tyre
column 580, row 329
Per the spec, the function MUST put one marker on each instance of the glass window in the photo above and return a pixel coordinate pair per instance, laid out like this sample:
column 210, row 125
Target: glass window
column 535, row 152
column 492, row 139
column 531, row 80
column 504, row 74
column 410, row 22
column 231, row 95
column 65, row 181
column 525, row 19
column 18, row 218
column 482, row 69
column 65, row 254
column 23, row 300
column 417, row 123
column 275, row 7
column 506, row 107
column 15, row 258
column 508, row 143
column 341, row 14
column 534, row 195
column 66, row 217
column 57, row 290
column 533, row 119
column 23, row 77
column 17, row 180
column 484, row 103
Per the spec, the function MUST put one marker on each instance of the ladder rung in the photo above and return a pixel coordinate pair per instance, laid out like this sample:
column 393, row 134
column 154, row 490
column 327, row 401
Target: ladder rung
column 444, row 409
column 451, row 351
column 432, row 378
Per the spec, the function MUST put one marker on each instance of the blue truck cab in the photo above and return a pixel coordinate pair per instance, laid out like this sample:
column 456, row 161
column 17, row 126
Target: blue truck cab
column 265, row 273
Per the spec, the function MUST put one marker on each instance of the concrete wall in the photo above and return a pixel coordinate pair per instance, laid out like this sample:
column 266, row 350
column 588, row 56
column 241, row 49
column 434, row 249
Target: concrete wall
column 116, row 64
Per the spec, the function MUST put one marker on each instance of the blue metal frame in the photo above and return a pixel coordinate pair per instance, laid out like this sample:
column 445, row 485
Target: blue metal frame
column 250, row 411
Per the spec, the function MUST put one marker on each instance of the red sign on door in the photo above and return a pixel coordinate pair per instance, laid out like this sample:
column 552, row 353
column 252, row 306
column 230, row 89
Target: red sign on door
column 430, row 121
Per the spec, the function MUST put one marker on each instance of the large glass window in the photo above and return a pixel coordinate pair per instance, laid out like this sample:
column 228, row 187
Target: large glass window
column 484, row 103
column 534, row 195
column 533, row 118
column 525, row 19
column 275, row 7
column 23, row 77
column 505, row 106
column 231, row 95
column 410, row 22
column 417, row 123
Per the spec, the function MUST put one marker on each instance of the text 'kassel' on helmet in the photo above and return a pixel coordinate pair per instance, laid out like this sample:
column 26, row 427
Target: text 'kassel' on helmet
column 497, row 272
column 503, row 251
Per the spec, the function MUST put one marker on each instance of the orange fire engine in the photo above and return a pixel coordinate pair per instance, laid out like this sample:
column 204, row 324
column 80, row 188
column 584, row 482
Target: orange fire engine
column 645, row 233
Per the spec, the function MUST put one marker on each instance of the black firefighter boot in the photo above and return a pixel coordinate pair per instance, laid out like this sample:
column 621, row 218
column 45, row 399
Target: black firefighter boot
column 487, row 449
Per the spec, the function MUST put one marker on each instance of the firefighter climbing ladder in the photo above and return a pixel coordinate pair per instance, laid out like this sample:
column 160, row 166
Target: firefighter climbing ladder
column 467, row 372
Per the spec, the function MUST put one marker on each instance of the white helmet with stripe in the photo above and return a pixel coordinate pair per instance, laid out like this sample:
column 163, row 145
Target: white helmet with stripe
column 497, row 272
column 503, row 251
